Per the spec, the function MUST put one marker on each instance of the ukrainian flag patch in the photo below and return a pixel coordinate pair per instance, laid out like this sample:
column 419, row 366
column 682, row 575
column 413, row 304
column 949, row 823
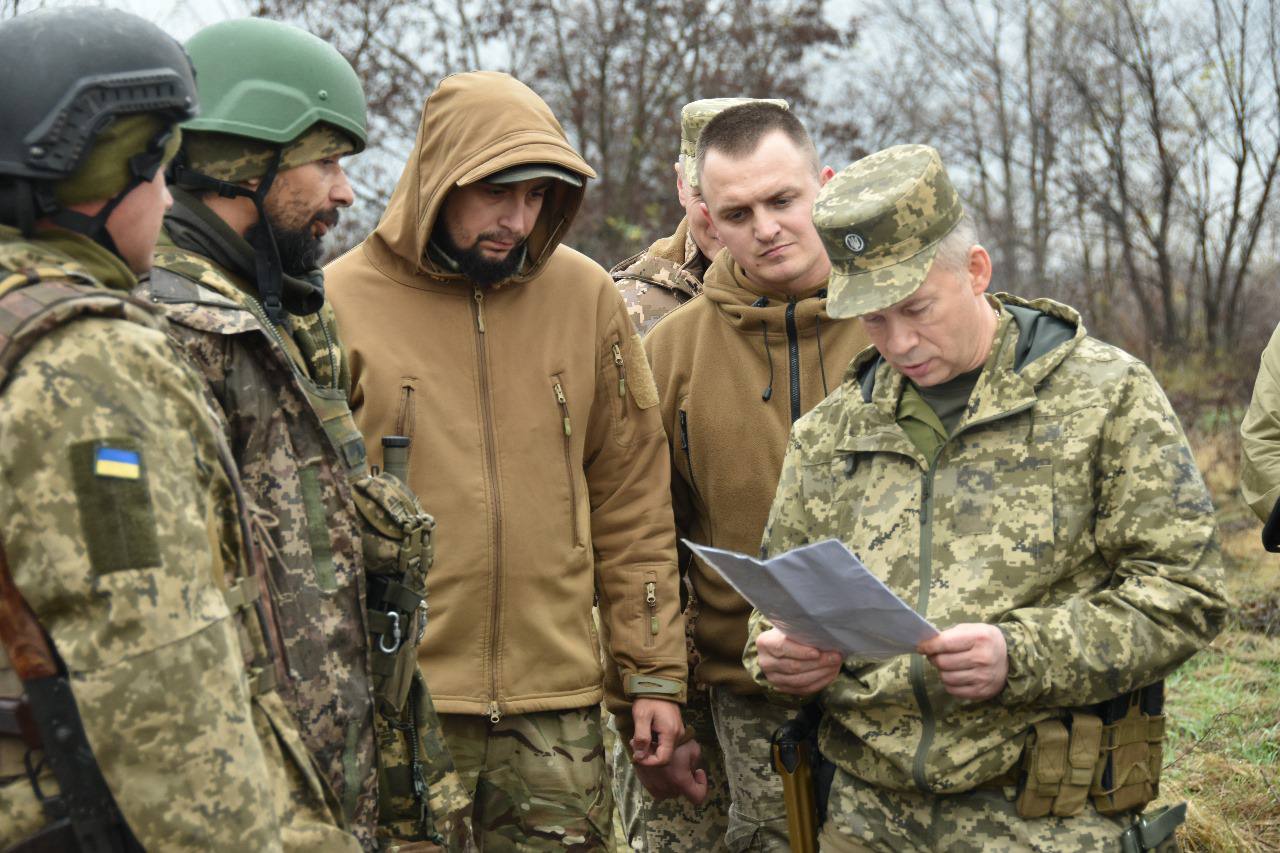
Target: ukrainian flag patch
column 117, row 462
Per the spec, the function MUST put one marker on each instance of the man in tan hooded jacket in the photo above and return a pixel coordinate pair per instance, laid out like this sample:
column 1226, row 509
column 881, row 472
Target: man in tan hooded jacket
column 511, row 363
column 735, row 368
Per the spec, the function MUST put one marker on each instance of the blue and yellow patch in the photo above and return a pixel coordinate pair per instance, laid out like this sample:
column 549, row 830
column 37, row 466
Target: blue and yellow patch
column 118, row 463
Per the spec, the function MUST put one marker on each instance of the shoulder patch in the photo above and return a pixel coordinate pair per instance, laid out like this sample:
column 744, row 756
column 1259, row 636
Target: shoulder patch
column 639, row 375
column 114, row 499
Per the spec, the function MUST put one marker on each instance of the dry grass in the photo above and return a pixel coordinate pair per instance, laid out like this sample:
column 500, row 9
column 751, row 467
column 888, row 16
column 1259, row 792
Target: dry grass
column 1223, row 754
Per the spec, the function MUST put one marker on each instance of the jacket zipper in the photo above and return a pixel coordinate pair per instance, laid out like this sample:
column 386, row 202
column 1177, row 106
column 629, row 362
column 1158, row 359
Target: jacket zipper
column 568, row 457
column 928, row 724
column 491, row 464
column 793, row 356
column 684, row 445
column 330, row 350
column 651, row 599
column 622, row 373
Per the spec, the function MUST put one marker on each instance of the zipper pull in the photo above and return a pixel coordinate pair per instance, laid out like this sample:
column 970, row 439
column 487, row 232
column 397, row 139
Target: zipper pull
column 622, row 375
column 564, row 406
column 479, row 298
column 494, row 714
column 651, row 598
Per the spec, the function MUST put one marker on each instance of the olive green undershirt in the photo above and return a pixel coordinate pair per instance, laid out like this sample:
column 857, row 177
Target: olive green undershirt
column 929, row 415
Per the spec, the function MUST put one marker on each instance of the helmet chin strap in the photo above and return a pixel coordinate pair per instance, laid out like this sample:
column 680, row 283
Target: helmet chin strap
column 269, row 269
column 142, row 169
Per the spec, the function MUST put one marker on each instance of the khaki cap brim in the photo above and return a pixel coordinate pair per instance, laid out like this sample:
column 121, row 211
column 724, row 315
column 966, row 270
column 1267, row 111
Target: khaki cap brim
column 875, row 290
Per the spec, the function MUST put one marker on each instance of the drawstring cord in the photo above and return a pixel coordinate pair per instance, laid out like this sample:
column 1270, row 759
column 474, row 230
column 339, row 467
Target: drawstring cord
column 822, row 362
column 764, row 330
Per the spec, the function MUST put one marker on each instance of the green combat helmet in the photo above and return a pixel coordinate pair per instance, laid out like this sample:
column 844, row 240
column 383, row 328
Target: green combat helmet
column 880, row 220
column 275, row 97
column 89, row 101
column 694, row 117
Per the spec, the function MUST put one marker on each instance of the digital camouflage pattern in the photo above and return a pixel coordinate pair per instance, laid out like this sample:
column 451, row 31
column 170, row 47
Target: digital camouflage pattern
column 296, row 449
column 874, row 820
column 744, row 727
column 675, row 824
column 538, row 779
column 880, row 220
column 661, row 278
column 1066, row 508
column 238, row 158
column 694, row 117
column 121, row 571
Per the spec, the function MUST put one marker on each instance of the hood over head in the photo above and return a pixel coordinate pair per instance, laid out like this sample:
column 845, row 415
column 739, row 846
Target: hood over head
column 475, row 125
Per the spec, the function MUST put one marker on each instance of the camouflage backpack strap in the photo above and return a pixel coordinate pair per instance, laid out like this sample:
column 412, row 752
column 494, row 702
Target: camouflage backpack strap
column 658, row 272
column 37, row 300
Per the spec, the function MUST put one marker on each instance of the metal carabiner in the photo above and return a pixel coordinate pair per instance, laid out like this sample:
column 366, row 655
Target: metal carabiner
column 395, row 633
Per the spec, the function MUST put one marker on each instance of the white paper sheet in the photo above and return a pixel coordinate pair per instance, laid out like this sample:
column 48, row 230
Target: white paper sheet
column 822, row 595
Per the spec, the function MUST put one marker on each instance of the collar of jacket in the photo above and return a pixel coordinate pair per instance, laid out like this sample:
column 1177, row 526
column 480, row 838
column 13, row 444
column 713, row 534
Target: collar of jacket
column 196, row 228
column 673, row 263
column 752, row 311
column 1013, row 371
column 85, row 255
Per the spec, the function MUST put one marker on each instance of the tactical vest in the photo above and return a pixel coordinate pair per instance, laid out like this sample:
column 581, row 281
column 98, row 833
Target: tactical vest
column 394, row 542
column 80, row 812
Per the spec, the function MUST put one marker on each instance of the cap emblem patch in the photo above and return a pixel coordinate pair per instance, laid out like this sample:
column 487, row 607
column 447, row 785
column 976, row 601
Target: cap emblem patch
column 854, row 242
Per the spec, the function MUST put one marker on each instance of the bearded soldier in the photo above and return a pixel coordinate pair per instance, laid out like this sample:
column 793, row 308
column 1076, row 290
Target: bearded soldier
column 258, row 183
column 1029, row 490
column 140, row 710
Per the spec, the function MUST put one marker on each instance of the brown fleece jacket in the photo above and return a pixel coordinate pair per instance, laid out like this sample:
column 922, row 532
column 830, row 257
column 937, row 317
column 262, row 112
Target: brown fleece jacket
column 537, row 444
column 715, row 358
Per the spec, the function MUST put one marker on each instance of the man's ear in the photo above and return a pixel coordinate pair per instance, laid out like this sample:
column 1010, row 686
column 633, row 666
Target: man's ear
column 682, row 189
column 706, row 213
column 825, row 175
column 979, row 269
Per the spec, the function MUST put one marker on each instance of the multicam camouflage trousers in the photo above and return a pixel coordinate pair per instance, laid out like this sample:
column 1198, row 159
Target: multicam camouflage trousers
column 862, row 818
column 537, row 780
column 676, row 824
column 744, row 810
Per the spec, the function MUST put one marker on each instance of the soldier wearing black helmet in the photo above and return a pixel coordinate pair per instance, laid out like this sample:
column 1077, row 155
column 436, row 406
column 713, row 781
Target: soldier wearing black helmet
column 136, row 708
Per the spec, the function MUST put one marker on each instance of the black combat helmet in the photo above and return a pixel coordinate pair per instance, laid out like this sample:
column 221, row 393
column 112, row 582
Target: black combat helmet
column 70, row 74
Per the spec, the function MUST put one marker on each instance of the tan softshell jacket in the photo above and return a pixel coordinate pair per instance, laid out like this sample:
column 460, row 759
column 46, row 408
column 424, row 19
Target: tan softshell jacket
column 713, row 360
column 536, row 437
column 1260, row 435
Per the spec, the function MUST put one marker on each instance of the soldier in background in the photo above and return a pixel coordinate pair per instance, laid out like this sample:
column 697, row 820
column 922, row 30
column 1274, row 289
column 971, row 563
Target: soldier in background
column 1029, row 490
column 1260, row 445
column 734, row 370
column 152, row 721
column 669, row 273
column 257, row 184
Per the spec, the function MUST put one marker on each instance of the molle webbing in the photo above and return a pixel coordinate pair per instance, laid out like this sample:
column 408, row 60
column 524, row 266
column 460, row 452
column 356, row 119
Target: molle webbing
column 31, row 307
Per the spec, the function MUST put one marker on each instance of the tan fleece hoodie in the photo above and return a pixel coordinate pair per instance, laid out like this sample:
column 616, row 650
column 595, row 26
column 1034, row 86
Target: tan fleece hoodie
column 537, row 443
column 715, row 360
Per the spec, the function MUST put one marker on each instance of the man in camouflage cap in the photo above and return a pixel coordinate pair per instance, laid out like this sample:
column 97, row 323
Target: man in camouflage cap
column 1029, row 490
column 669, row 273
column 259, row 182
column 152, row 720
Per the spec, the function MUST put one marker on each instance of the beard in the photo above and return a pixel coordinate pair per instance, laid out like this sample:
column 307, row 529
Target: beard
column 473, row 264
column 300, row 250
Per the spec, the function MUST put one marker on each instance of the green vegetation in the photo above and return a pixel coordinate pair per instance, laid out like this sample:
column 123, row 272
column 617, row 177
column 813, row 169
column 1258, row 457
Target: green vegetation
column 1223, row 754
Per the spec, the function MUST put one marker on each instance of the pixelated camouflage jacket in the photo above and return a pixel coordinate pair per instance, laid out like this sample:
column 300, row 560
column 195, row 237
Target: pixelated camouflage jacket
column 154, row 626
column 661, row 278
column 1066, row 508
column 290, row 430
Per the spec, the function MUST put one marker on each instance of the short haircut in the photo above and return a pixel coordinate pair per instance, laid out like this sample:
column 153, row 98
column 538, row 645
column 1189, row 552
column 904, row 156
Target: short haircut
column 737, row 132
column 952, row 253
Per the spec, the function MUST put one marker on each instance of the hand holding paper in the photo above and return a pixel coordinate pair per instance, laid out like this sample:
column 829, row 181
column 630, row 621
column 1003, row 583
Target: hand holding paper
column 823, row 596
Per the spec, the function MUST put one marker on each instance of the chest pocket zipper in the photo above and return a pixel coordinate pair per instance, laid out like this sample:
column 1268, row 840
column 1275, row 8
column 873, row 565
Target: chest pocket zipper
column 684, row 447
column 563, row 402
column 622, row 371
column 405, row 413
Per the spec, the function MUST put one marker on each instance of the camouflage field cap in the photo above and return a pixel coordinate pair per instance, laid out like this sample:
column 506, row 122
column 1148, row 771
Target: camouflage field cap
column 880, row 220
column 694, row 117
